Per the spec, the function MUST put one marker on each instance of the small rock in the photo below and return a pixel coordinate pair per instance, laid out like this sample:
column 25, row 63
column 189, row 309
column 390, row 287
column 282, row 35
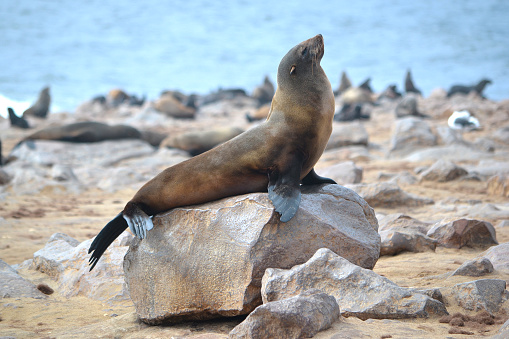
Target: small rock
column 402, row 221
column 62, row 173
column 443, row 171
column 12, row 285
column 4, row 177
column 411, row 133
column 45, row 289
column 499, row 185
column 475, row 268
column 478, row 295
column 301, row 316
column 388, row 195
column 464, row 232
column 347, row 134
column 360, row 292
column 343, row 173
column 395, row 241
column 498, row 256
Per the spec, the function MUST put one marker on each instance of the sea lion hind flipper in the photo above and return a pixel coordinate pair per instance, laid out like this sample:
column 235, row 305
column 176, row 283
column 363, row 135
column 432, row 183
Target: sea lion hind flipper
column 104, row 239
column 314, row 179
column 284, row 189
column 139, row 222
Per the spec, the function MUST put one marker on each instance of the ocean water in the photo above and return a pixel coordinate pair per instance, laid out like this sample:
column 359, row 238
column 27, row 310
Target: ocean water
column 83, row 49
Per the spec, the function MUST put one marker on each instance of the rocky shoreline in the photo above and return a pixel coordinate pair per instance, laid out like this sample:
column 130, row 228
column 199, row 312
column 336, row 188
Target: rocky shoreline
column 440, row 196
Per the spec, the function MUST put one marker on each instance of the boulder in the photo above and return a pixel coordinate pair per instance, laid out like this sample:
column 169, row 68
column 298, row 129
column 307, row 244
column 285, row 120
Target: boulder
column 347, row 134
column 464, row 232
column 402, row 221
column 443, row 171
column 301, row 316
column 395, row 241
column 207, row 261
column 411, row 133
column 359, row 292
column 475, row 268
column 66, row 261
column 388, row 195
column 12, row 285
column 499, row 185
column 343, row 173
column 498, row 256
column 479, row 295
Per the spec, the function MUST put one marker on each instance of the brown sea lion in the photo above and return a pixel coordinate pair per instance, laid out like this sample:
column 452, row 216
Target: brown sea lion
column 17, row 121
column 479, row 88
column 87, row 131
column 409, row 84
column 344, row 84
column 41, row 107
column 265, row 92
column 276, row 156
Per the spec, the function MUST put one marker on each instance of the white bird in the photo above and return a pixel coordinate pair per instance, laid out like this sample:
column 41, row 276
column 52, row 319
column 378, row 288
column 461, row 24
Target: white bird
column 463, row 120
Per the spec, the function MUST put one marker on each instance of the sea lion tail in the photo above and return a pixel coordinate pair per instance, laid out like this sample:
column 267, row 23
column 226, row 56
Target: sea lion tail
column 108, row 234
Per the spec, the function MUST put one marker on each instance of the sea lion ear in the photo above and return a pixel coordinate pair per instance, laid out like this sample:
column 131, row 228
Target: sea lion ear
column 292, row 70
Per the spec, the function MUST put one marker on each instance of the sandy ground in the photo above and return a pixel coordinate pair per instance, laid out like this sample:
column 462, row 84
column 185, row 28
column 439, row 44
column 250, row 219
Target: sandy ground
column 27, row 221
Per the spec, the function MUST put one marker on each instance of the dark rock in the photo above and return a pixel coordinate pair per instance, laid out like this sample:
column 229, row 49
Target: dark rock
column 478, row 295
column 395, row 241
column 464, row 232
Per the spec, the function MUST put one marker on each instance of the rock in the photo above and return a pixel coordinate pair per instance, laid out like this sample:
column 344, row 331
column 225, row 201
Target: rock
column 498, row 256
column 207, row 261
column 66, row 261
column 478, row 295
column 347, row 134
column 62, row 173
column 388, row 195
column 397, row 241
column 411, row 133
column 451, row 152
column 12, row 285
column 449, row 136
column 401, row 178
column 443, row 171
column 475, row 268
column 301, row 316
column 499, row 185
column 502, row 134
column 4, row 177
column 488, row 168
column 402, row 221
column 359, row 292
column 503, row 332
column 343, row 173
column 464, row 232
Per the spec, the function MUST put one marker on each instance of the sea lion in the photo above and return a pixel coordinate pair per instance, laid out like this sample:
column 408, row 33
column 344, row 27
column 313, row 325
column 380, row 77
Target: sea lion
column 41, row 107
column 391, row 93
column 260, row 114
column 87, row 131
column 409, row 84
column 408, row 107
column 344, row 84
column 170, row 104
column 276, row 156
column 17, row 121
column 265, row 92
column 479, row 88
column 351, row 112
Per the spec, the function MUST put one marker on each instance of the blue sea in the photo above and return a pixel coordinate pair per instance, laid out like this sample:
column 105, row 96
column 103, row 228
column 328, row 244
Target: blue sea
column 85, row 48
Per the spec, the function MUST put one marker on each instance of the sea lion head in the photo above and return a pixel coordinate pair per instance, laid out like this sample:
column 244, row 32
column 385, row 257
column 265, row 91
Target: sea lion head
column 301, row 63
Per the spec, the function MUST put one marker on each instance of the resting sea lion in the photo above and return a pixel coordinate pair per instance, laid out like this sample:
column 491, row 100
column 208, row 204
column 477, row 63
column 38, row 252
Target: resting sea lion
column 87, row 131
column 17, row 121
column 276, row 156
column 41, row 107
column 479, row 88
column 409, row 84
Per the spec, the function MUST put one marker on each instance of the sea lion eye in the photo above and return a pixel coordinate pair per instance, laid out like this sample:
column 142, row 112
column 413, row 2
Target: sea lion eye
column 292, row 70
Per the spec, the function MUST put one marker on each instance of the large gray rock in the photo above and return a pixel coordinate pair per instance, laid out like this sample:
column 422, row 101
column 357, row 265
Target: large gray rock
column 12, row 285
column 388, row 195
column 395, row 241
column 498, row 256
column 208, row 260
column 464, row 232
column 442, row 171
column 479, row 295
column 301, row 316
column 475, row 268
column 66, row 261
column 347, row 134
column 402, row 221
column 411, row 133
column 359, row 292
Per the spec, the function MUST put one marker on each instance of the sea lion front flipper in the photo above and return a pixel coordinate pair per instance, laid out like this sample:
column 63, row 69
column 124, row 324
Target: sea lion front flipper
column 284, row 189
column 139, row 222
column 314, row 179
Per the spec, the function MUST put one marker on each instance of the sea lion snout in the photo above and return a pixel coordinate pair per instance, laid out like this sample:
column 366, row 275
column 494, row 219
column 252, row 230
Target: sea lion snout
column 313, row 48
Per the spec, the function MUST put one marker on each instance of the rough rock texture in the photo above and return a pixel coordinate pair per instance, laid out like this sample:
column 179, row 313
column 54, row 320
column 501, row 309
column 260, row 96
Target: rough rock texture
column 442, row 171
column 208, row 260
column 12, row 285
column 503, row 332
column 464, row 232
column 499, row 185
column 359, row 292
column 400, row 240
column 347, row 134
column 475, row 268
column 411, row 133
column 66, row 261
column 402, row 221
column 478, row 295
column 343, row 173
column 498, row 256
column 301, row 316
column 388, row 195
